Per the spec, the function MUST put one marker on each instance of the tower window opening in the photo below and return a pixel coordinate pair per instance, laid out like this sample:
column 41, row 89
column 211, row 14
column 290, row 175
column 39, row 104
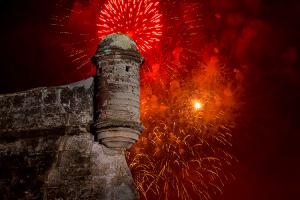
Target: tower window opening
column 127, row 68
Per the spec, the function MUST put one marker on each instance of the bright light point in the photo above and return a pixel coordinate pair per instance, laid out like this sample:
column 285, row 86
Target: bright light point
column 198, row 105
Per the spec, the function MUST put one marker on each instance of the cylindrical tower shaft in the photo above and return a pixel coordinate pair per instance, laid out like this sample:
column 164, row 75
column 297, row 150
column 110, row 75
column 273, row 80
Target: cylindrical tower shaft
column 118, row 91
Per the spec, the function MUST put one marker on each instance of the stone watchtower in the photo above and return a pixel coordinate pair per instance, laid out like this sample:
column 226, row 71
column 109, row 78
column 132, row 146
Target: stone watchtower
column 118, row 92
column 68, row 142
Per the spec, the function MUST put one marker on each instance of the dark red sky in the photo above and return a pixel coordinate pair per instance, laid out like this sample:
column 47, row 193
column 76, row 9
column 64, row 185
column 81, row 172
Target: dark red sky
column 262, row 36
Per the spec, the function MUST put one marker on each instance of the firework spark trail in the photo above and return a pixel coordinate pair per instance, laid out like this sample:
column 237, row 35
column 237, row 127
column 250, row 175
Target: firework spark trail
column 76, row 28
column 187, row 150
column 141, row 20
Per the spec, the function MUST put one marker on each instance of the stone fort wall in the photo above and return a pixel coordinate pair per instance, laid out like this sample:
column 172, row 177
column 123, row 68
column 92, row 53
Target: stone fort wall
column 47, row 150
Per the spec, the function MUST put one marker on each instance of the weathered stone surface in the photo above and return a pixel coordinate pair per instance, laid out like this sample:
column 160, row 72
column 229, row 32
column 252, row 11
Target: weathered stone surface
column 84, row 169
column 118, row 92
column 23, row 166
column 47, row 151
column 62, row 107
column 118, row 40
column 66, row 167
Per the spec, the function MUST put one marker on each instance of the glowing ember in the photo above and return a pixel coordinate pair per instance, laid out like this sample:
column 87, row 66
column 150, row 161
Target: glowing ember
column 198, row 105
column 140, row 20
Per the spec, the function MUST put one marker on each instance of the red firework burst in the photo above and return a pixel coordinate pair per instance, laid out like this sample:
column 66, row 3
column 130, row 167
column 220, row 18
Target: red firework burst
column 141, row 20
